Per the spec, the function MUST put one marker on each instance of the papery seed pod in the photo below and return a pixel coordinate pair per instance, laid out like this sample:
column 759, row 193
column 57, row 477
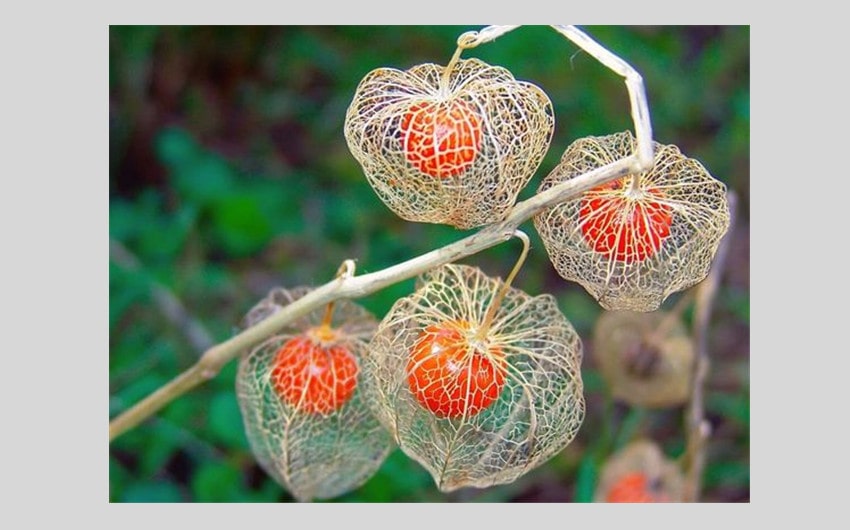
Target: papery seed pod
column 475, row 405
column 632, row 247
column 646, row 359
column 640, row 473
column 302, row 403
column 452, row 148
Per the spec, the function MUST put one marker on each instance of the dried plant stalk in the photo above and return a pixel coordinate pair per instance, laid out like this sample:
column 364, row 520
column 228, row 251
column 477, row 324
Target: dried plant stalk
column 633, row 242
column 450, row 145
column 306, row 422
column 517, row 398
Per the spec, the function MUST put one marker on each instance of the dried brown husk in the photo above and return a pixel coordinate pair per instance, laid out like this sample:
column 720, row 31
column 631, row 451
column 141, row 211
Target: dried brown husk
column 700, row 217
column 516, row 120
column 312, row 455
column 646, row 359
column 642, row 456
column 539, row 410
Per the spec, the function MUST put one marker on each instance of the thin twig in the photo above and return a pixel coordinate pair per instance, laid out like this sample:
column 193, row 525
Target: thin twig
column 217, row 356
column 171, row 306
column 496, row 301
column 634, row 85
column 698, row 429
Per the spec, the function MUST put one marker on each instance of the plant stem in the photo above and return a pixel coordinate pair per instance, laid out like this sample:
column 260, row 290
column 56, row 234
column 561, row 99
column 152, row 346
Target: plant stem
column 496, row 302
column 216, row 357
column 697, row 428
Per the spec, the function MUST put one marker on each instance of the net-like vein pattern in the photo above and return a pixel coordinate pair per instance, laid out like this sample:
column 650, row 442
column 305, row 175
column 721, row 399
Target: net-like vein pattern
column 539, row 408
column 457, row 154
column 645, row 358
column 313, row 455
column 631, row 249
column 645, row 457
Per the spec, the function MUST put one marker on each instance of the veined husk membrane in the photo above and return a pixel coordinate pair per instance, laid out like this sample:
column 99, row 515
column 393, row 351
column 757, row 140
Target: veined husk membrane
column 632, row 247
column 457, row 153
column 318, row 440
column 530, row 405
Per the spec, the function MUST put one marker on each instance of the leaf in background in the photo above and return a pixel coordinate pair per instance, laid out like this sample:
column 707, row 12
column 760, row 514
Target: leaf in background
column 586, row 478
column 206, row 180
column 730, row 473
column 398, row 479
column 593, row 381
column 732, row 406
column 118, row 478
column 199, row 176
column 125, row 290
column 148, row 230
column 153, row 491
column 225, row 420
column 239, row 225
column 629, row 427
column 176, row 148
column 217, row 482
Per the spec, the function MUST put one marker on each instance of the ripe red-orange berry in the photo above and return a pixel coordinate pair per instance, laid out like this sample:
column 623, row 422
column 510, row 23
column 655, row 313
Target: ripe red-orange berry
column 633, row 487
column 449, row 376
column 623, row 226
column 441, row 139
column 313, row 377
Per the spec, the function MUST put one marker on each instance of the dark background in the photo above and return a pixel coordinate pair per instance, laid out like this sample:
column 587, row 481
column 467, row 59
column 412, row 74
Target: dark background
column 229, row 175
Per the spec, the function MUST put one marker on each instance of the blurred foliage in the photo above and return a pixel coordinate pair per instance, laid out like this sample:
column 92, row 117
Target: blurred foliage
column 229, row 175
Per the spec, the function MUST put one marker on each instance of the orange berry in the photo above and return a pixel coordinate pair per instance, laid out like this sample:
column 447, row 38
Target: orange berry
column 450, row 377
column 632, row 487
column 313, row 377
column 624, row 228
column 441, row 139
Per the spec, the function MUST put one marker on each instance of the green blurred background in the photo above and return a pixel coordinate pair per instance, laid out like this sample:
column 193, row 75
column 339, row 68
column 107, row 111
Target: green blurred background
column 229, row 175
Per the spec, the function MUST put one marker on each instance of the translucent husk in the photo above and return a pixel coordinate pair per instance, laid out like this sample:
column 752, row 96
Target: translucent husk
column 313, row 455
column 539, row 409
column 646, row 359
column 695, row 202
column 642, row 456
column 516, row 124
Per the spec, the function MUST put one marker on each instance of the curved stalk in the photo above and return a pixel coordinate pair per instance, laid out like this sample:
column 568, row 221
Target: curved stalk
column 697, row 428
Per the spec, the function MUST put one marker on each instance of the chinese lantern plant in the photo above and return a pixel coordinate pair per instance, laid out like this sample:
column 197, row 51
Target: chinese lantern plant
column 634, row 241
column 640, row 473
column 301, row 400
column 477, row 381
column 449, row 144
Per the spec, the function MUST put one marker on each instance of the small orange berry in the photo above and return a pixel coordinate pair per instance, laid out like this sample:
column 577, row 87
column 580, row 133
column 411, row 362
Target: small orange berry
column 450, row 377
column 632, row 487
column 624, row 228
column 441, row 139
column 313, row 377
